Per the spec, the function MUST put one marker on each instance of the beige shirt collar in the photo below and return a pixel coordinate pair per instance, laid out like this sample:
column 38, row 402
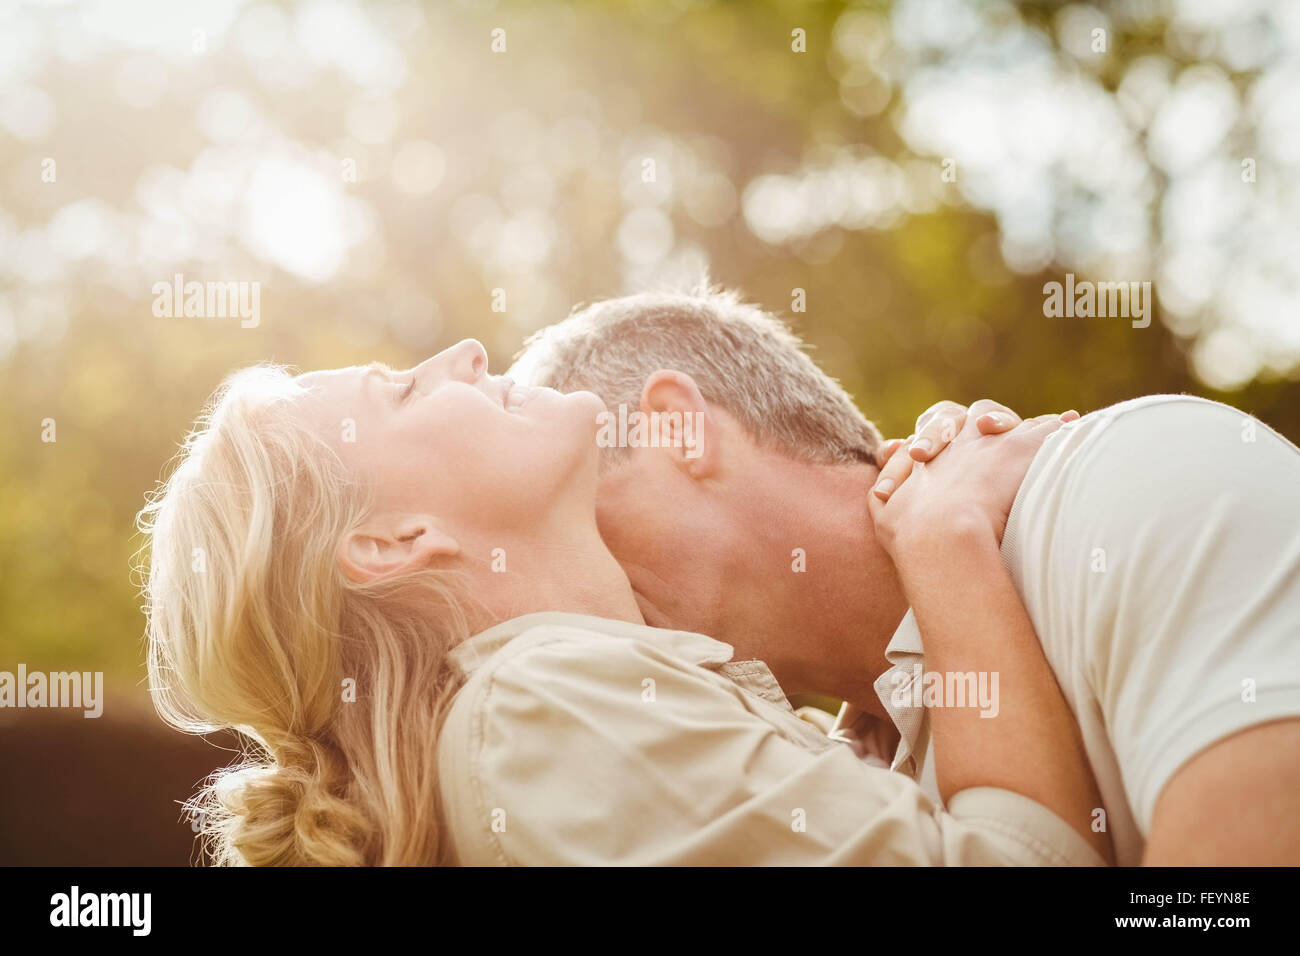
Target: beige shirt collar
column 906, row 657
column 753, row 675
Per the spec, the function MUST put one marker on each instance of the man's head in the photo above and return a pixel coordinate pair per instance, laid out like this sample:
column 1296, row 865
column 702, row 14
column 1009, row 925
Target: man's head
column 741, row 359
column 763, row 457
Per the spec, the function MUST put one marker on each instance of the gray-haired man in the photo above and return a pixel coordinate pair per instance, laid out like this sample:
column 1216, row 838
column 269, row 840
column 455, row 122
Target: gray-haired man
column 1156, row 545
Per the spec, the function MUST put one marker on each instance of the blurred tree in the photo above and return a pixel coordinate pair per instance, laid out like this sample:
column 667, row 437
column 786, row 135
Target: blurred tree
column 382, row 173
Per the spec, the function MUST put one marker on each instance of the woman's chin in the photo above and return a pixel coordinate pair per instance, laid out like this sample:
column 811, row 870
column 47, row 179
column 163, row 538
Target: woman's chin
column 589, row 401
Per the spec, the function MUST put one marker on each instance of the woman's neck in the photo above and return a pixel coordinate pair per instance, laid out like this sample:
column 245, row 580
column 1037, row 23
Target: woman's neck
column 570, row 571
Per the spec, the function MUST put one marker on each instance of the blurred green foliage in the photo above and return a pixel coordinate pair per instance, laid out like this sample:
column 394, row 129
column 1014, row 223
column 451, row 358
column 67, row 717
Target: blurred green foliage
column 903, row 316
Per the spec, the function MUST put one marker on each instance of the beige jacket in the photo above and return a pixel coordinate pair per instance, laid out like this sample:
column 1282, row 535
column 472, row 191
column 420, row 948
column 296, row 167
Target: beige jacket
column 583, row 741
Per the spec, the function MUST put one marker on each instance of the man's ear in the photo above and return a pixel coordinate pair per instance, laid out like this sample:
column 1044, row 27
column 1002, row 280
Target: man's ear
column 388, row 543
column 685, row 428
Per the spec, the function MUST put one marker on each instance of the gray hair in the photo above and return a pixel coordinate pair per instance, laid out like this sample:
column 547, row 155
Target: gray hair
column 741, row 358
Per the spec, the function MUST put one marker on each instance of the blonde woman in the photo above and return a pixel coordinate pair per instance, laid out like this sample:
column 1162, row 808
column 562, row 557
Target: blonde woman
column 393, row 585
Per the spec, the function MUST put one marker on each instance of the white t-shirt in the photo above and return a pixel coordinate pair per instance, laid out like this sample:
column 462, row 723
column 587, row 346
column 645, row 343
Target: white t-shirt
column 1156, row 544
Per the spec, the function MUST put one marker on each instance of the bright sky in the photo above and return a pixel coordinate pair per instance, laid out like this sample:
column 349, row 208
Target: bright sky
column 1073, row 174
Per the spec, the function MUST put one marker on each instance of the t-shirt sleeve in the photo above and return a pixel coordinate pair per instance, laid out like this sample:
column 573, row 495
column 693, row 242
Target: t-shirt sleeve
column 581, row 752
column 1183, row 524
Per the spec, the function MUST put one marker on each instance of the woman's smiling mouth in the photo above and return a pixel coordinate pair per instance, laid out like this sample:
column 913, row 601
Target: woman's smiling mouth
column 514, row 395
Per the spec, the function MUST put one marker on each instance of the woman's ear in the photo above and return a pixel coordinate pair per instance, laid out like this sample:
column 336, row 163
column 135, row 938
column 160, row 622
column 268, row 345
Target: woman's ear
column 679, row 421
column 388, row 543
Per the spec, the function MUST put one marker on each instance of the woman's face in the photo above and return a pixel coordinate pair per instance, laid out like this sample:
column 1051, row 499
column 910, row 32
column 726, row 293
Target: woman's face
column 478, row 452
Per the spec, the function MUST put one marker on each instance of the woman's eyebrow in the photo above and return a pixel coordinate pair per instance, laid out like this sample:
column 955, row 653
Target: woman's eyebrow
column 372, row 370
column 376, row 368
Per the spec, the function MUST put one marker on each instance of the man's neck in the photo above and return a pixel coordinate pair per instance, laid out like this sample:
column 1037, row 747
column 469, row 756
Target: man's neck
column 813, row 588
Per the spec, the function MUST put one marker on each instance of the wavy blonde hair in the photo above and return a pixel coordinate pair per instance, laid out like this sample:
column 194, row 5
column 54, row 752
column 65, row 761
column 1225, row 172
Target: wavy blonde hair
column 253, row 627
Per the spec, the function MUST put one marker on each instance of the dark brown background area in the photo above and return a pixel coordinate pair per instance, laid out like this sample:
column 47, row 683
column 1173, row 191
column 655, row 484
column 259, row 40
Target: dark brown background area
column 99, row 792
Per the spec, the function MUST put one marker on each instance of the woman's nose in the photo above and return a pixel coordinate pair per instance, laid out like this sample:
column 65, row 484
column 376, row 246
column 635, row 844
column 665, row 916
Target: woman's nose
column 466, row 361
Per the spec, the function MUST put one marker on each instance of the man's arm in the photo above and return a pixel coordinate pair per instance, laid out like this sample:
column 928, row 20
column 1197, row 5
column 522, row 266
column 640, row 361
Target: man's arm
column 1189, row 628
column 1234, row 804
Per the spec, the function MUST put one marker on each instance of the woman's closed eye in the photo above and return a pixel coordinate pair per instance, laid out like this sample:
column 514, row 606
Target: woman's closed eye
column 403, row 393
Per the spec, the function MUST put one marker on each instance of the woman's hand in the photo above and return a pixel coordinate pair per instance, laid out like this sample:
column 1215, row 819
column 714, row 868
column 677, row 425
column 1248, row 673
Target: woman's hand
column 936, row 427
column 943, row 526
column 970, row 487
